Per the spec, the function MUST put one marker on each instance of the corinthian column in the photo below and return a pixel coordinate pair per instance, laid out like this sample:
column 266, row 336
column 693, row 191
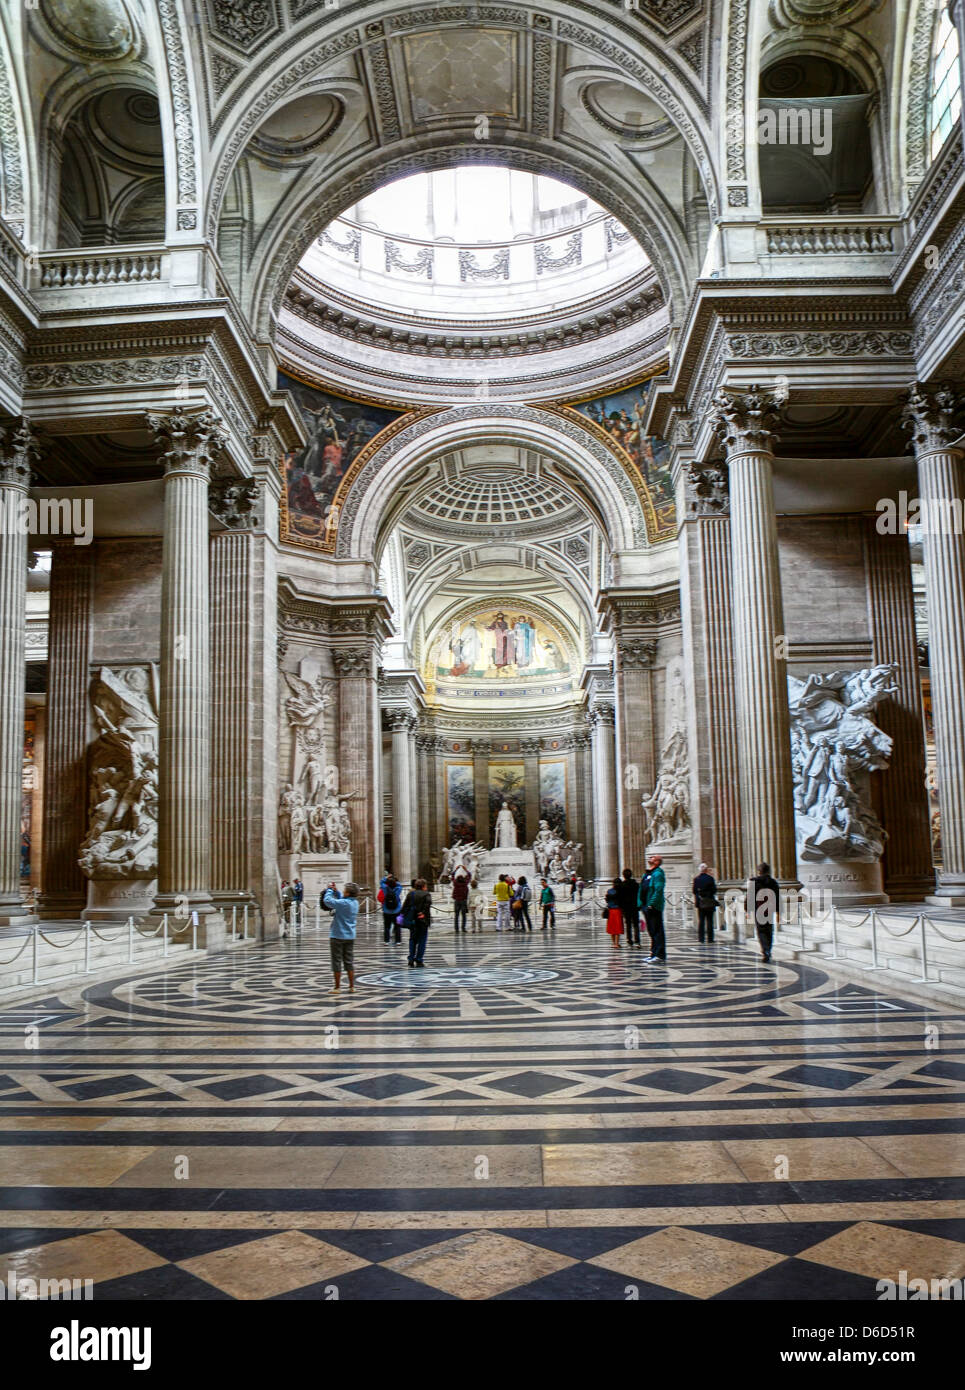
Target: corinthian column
column 763, row 721
column 18, row 449
column 184, row 792
column 401, row 724
column 603, row 743
column 929, row 416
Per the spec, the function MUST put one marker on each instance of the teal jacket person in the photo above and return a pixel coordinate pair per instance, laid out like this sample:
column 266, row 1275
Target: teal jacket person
column 656, row 885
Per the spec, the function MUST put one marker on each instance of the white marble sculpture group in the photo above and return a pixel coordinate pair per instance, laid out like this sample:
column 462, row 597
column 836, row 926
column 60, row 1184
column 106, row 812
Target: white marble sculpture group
column 312, row 818
column 122, row 829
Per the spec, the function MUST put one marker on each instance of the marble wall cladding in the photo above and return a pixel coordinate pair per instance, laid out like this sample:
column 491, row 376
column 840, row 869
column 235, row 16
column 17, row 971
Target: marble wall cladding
column 823, row 580
column 126, row 607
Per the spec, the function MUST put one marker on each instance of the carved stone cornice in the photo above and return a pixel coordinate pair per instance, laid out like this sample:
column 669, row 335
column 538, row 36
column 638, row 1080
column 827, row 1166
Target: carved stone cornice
column 635, row 655
column 530, row 747
column 194, row 439
column 707, row 489
column 744, row 419
column 235, row 504
column 930, row 417
column 636, row 614
column 481, row 748
column 19, row 450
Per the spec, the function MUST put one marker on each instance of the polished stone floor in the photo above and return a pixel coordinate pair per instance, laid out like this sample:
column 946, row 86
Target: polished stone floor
column 533, row 1117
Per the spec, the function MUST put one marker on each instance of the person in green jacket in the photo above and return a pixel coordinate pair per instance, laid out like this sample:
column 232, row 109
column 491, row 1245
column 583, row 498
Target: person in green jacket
column 654, row 885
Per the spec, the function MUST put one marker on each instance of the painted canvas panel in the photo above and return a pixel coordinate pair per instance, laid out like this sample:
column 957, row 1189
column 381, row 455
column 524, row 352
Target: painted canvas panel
column 507, row 783
column 337, row 430
column 621, row 416
column 552, row 794
column 460, row 803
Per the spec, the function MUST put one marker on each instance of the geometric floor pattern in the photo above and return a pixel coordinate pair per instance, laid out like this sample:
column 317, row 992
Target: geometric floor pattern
column 534, row 1117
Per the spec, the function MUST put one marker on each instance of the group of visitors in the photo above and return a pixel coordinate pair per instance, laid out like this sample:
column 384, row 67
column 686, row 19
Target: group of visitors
column 627, row 899
column 513, row 897
column 409, row 909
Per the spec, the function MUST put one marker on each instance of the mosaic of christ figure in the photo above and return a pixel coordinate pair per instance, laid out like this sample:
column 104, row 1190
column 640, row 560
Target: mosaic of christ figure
column 504, row 650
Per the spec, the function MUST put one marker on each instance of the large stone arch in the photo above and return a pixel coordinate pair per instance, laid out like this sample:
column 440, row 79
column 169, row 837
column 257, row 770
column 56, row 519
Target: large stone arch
column 365, row 499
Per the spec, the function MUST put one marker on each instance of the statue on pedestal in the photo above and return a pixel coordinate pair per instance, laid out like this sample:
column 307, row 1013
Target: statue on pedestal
column 505, row 836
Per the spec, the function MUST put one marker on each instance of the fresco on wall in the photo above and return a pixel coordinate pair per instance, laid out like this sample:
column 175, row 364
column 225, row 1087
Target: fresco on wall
column 622, row 416
column 498, row 644
column 460, row 803
column 552, row 795
column 507, row 783
column 338, row 430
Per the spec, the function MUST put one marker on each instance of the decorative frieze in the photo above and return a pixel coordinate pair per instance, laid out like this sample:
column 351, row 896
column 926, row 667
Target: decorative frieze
column 235, row 504
column 706, row 487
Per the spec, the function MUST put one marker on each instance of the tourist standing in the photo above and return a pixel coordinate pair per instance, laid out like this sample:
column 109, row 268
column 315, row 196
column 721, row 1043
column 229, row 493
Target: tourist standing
column 614, row 912
column 298, row 897
column 417, row 916
column 524, row 896
column 763, row 899
column 477, row 905
column 705, row 901
column 344, row 908
column 580, row 885
column 656, row 882
column 460, row 899
column 501, row 893
column 573, row 882
column 391, row 896
column 547, row 901
column 630, row 907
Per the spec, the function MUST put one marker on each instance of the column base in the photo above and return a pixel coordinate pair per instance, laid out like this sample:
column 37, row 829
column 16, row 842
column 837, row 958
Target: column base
column 211, row 930
column 940, row 899
column 224, row 902
column 910, row 888
column 53, row 907
column 13, row 916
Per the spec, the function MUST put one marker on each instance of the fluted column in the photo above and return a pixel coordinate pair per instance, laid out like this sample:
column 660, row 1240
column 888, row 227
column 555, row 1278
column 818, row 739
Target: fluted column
column 68, row 677
column 636, row 764
column 480, row 781
column 907, row 859
column 763, row 720
column 440, row 826
column 18, row 449
column 184, row 790
column 582, row 762
column 403, row 865
column 603, row 746
column 530, row 750
column 360, row 760
column 931, row 417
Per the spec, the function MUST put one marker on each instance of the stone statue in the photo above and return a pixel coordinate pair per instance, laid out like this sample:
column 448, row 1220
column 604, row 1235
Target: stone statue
column 121, row 840
column 505, row 829
column 835, row 746
column 338, row 827
column 299, row 825
column 460, row 857
column 668, row 805
column 316, row 828
column 545, row 844
column 285, row 803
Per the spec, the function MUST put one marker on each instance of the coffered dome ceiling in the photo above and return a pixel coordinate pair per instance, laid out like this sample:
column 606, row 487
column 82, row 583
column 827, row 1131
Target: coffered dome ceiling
column 494, row 496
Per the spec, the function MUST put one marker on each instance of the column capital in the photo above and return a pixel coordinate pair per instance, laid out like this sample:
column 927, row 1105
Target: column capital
column 235, row 503
column 634, row 654
column 19, row 449
column 930, row 415
column 399, row 720
column 193, row 439
column 744, row 418
column 707, row 488
column 603, row 715
column 352, row 661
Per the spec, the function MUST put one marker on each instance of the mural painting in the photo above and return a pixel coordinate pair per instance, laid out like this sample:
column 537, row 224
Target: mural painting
column 552, row 795
column 622, row 416
column 507, row 783
column 460, row 803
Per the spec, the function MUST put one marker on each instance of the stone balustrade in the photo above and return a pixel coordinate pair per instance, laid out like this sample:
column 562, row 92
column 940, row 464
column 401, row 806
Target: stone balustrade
column 78, row 270
column 832, row 237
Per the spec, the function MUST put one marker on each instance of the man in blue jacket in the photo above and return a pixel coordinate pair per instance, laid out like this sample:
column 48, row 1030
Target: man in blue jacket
column 345, row 911
column 656, row 883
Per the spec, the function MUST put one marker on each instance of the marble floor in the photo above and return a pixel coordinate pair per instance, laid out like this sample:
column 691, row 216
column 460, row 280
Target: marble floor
column 535, row 1117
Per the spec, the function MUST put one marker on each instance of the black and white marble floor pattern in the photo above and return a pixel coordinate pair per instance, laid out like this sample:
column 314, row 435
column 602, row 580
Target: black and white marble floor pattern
column 532, row 1117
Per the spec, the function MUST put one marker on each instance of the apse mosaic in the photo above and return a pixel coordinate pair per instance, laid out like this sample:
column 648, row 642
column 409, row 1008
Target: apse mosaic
column 621, row 416
column 498, row 644
column 338, row 430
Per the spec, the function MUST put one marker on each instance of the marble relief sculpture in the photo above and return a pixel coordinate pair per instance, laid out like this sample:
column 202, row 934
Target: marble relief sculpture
column 312, row 818
column 555, row 858
column 667, row 807
column 835, row 745
column 460, row 857
column 121, row 840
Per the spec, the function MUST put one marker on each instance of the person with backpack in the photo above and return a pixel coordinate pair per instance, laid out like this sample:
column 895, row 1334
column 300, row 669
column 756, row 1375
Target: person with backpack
column 391, row 905
column 653, row 905
column 460, row 899
column 344, row 908
column 763, row 907
column 524, row 896
column 547, row 901
column 417, row 916
column 705, row 901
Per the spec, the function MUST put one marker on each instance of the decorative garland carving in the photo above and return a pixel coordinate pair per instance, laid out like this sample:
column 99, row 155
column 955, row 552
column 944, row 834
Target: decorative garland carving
column 11, row 169
column 180, row 100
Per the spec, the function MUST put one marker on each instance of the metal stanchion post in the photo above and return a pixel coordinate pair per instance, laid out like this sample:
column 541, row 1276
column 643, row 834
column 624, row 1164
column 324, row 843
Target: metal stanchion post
column 318, row 917
column 87, row 948
column 130, row 939
column 874, row 939
column 35, row 933
column 834, row 932
column 164, row 933
column 234, row 922
column 924, row 948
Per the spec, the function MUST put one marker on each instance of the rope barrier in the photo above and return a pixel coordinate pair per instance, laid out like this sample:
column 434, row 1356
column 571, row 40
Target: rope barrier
column 63, row 945
column 955, row 940
column 109, row 939
column 26, row 941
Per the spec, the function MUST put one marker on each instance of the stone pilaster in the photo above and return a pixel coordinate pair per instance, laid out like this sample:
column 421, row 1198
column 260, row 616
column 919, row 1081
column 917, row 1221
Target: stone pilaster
column 360, row 758
column 64, row 887
column 437, row 752
column 582, row 763
column 764, row 740
column 18, row 449
column 403, row 863
column 481, row 749
column 636, row 764
column 530, row 749
column 706, row 606
column 184, row 774
column 903, row 808
column 603, row 754
column 932, row 418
